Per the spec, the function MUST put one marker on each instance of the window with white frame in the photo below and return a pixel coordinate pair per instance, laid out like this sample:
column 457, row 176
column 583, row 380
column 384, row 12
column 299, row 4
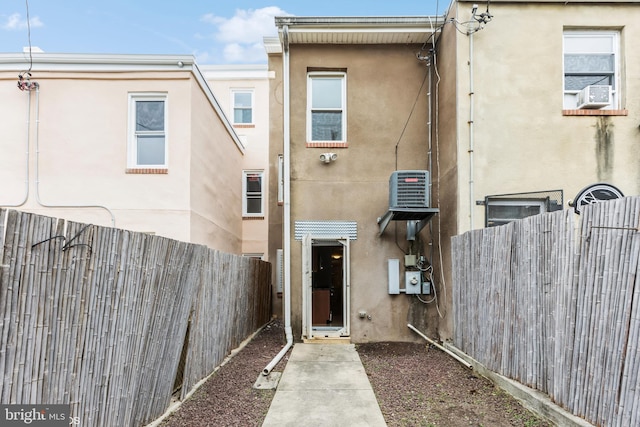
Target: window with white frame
column 501, row 212
column 242, row 106
column 280, row 179
column 254, row 255
column 147, row 131
column 326, row 107
column 252, row 200
column 591, row 70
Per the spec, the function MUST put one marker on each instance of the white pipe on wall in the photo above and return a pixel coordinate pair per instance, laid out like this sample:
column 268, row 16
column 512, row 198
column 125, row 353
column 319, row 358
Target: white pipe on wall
column 471, row 131
column 287, row 206
column 27, row 140
column 37, row 145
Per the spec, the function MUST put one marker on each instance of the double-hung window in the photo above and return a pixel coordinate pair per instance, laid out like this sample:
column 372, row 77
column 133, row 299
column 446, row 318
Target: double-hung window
column 326, row 107
column 252, row 200
column 147, row 131
column 242, row 106
column 591, row 70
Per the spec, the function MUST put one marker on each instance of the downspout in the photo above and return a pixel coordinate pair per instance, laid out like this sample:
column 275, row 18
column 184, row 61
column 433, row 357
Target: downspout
column 37, row 144
column 471, row 130
column 439, row 347
column 26, row 180
column 287, row 205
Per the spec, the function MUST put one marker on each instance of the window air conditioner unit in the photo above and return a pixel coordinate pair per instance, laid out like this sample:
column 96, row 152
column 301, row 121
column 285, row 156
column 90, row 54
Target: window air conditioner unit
column 409, row 189
column 594, row 96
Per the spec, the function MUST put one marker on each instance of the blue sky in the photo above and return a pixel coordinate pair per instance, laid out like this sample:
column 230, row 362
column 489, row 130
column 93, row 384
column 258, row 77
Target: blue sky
column 216, row 32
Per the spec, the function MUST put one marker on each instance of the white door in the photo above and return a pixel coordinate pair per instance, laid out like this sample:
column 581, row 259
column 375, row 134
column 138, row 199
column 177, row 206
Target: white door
column 325, row 286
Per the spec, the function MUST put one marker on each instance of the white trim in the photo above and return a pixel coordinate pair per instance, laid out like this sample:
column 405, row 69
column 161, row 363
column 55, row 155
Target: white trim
column 257, row 255
column 308, row 242
column 280, row 178
column 245, row 174
column 250, row 91
column 515, row 202
column 132, row 140
column 570, row 96
column 343, row 100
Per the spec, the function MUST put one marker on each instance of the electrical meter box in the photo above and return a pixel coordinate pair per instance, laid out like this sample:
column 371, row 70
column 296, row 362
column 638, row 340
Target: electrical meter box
column 413, row 282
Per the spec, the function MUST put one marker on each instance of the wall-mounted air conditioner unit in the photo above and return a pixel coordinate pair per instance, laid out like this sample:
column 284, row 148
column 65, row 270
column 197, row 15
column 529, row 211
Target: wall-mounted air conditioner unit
column 409, row 189
column 594, row 96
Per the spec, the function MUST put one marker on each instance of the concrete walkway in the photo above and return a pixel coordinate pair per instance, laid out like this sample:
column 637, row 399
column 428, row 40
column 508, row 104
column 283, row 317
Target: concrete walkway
column 324, row 385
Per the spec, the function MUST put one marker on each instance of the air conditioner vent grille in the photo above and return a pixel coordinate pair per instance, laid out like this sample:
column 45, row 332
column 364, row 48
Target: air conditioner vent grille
column 409, row 189
column 594, row 96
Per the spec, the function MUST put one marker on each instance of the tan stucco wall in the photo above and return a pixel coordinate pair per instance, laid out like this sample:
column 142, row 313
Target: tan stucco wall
column 446, row 120
column 382, row 84
column 522, row 140
column 275, row 148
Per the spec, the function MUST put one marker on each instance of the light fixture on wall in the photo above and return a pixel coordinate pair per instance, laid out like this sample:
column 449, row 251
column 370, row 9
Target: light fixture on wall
column 328, row 157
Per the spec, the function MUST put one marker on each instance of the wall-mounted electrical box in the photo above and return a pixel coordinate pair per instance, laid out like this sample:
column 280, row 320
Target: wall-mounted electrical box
column 413, row 282
column 394, row 276
column 426, row 288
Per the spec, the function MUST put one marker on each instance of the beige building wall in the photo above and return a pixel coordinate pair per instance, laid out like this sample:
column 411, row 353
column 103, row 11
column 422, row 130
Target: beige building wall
column 523, row 141
column 75, row 139
column 223, row 80
column 504, row 130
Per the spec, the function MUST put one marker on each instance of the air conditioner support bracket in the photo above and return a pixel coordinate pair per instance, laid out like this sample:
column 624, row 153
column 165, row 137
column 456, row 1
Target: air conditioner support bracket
column 416, row 219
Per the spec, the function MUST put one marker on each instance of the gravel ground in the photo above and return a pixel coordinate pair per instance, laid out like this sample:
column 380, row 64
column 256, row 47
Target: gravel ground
column 415, row 385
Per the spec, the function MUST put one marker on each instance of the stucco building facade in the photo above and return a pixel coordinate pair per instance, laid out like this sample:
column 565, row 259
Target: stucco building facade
column 514, row 108
column 349, row 106
column 133, row 141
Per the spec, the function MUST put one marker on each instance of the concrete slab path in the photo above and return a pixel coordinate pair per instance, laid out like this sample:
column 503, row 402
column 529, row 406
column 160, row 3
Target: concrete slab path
column 324, row 385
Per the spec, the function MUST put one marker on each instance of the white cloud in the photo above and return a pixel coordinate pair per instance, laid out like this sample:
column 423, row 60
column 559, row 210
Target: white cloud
column 242, row 34
column 15, row 22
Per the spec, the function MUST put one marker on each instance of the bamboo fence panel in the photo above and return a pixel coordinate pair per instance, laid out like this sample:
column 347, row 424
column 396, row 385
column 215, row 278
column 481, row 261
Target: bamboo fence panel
column 565, row 305
column 97, row 318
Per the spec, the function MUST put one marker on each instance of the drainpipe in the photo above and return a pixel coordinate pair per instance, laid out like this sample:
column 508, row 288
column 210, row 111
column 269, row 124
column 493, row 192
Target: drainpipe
column 439, row 347
column 37, row 144
column 471, row 130
column 26, row 180
column 287, row 206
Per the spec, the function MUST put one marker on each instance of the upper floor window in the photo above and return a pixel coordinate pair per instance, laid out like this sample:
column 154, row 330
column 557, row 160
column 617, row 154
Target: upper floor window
column 147, row 131
column 326, row 107
column 591, row 71
column 252, row 200
column 242, row 106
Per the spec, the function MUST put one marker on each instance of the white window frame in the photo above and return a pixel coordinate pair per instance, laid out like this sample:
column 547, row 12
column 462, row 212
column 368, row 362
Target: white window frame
column 514, row 202
column 132, row 146
column 343, row 108
column 255, row 255
column 245, row 195
column 570, row 98
column 280, row 179
column 233, row 106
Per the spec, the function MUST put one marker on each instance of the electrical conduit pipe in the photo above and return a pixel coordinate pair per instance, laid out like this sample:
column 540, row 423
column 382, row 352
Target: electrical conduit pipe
column 37, row 144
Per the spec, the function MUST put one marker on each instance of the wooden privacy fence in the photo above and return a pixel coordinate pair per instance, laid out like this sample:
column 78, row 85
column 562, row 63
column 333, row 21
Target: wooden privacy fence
column 555, row 305
column 97, row 317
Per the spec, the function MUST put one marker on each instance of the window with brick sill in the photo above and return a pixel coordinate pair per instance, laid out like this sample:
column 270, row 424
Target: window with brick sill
column 591, row 60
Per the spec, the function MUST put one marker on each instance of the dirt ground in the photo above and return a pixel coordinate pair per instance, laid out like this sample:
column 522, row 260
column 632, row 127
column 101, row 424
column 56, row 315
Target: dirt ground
column 415, row 386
